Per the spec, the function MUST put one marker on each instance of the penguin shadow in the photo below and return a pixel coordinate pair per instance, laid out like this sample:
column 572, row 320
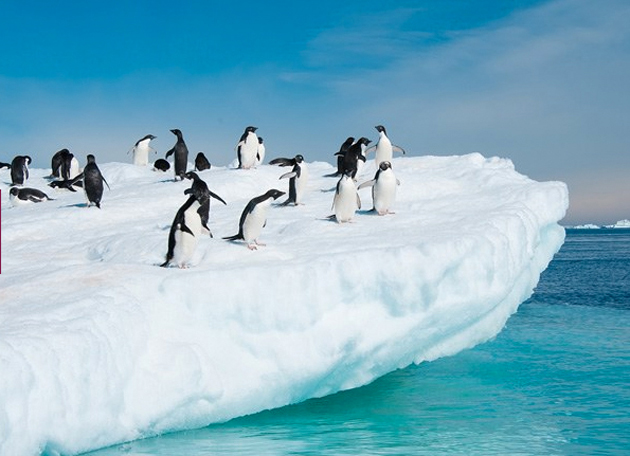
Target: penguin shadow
column 367, row 212
column 78, row 205
column 328, row 190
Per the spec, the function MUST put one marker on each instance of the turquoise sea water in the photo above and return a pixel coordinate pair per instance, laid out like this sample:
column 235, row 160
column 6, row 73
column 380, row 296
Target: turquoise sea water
column 555, row 381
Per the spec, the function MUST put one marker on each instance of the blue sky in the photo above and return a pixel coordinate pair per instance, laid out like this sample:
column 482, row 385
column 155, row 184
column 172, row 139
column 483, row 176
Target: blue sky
column 544, row 83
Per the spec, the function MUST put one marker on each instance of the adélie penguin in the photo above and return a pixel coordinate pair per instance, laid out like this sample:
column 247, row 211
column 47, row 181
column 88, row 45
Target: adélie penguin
column 141, row 150
column 353, row 155
column 346, row 200
column 384, row 147
column 298, row 177
column 201, row 162
column 181, row 154
column 92, row 182
column 202, row 193
column 19, row 169
column 260, row 154
column 247, row 148
column 184, row 234
column 340, row 154
column 25, row 195
column 254, row 218
column 383, row 188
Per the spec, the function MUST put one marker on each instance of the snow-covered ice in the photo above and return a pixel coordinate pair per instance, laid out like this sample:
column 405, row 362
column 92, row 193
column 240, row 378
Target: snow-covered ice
column 99, row 345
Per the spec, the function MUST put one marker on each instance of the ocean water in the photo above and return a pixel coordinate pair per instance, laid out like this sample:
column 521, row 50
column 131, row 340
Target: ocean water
column 555, row 381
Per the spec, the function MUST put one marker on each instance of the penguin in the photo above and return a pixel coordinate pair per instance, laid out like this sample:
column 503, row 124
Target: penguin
column 70, row 166
column 384, row 147
column 352, row 156
column 298, row 177
column 340, row 156
column 57, row 162
column 141, row 150
column 247, row 148
column 254, row 218
column 161, row 165
column 260, row 155
column 346, row 201
column 93, row 182
column 383, row 188
column 19, row 169
column 184, row 234
column 201, row 162
column 67, row 184
column 200, row 190
column 5, row 165
column 25, row 195
column 181, row 154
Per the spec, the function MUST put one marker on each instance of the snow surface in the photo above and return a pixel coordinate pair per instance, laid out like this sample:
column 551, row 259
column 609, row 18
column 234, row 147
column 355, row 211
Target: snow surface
column 98, row 345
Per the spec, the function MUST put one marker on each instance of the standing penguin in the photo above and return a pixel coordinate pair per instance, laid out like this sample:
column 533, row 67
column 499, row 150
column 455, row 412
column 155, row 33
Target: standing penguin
column 181, row 154
column 247, row 148
column 346, row 201
column 383, row 188
column 19, row 169
column 353, row 155
column 201, row 162
column 200, row 190
column 141, row 150
column 298, row 177
column 260, row 155
column 341, row 156
column 93, row 182
column 184, row 234
column 57, row 162
column 384, row 147
column 254, row 218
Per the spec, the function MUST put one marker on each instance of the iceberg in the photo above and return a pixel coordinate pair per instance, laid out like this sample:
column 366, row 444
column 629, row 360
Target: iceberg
column 99, row 345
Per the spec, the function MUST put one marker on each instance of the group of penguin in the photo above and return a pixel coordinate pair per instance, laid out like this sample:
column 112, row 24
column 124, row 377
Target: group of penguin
column 191, row 219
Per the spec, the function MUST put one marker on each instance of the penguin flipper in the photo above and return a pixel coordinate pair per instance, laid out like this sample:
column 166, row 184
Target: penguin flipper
column 396, row 148
column 369, row 183
column 169, row 153
column 282, row 161
column 358, row 201
column 288, row 175
column 184, row 229
column 217, row 197
column 105, row 182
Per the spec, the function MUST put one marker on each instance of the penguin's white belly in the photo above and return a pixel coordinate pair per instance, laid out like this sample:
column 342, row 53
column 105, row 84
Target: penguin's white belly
column 301, row 184
column 185, row 244
column 255, row 221
column 384, row 192
column 141, row 154
column 346, row 202
column 384, row 151
column 248, row 152
column 74, row 168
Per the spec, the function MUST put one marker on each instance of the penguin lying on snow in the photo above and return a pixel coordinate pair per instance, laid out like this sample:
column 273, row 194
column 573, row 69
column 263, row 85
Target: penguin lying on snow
column 67, row 184
column 25, row 195
column 254, row 218
column 346, row 201
column 298, row 177
column 383, row 188
column 202, row 193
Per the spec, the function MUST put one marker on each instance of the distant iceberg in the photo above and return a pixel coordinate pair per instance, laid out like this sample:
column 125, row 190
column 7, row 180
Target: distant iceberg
column 621, row 224
column 98, row 345
column 587, row 226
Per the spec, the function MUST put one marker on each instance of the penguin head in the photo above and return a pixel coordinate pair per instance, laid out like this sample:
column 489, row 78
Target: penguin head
column 27, row 160
column 14, row 191
column 364, row 141
column 385, row 165
column 251, row 129
column 299, row 158
column 273, row 193
column 191, row 175
column 260, row 140
column 176, row 132
column 380, row 129
column 91, row 159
